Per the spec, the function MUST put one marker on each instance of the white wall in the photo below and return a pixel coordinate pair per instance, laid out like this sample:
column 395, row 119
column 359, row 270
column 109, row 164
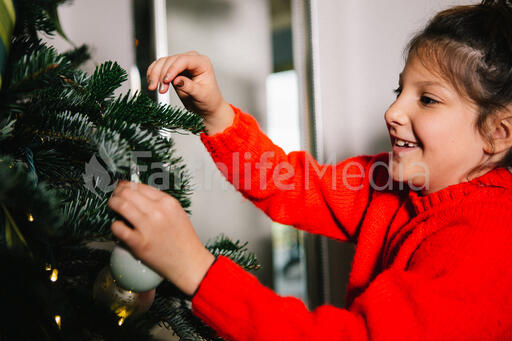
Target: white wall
column 361, row 45
column 235, row 35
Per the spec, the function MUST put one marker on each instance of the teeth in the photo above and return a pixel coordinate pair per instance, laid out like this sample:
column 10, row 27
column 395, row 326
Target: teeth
column 402, row 143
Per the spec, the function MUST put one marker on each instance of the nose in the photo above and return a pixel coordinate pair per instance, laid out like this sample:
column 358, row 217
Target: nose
column 396, row 115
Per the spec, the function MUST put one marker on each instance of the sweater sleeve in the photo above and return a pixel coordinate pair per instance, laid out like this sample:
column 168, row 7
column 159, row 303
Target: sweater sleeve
column 465, row 296
column 293, row 189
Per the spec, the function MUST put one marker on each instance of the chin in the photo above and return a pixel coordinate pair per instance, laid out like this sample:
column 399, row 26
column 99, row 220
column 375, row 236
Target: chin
column 414, row 177
column 396, row 171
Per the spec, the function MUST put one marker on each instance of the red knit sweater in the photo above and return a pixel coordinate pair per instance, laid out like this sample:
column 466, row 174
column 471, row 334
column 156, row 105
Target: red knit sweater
column 434, row 267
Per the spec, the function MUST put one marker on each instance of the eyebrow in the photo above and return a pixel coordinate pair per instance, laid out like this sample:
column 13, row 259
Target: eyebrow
column 424, row 83
column 427, row 83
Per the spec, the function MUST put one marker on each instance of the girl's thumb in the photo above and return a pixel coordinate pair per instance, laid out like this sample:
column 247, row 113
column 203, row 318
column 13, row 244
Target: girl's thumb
column 184, row 84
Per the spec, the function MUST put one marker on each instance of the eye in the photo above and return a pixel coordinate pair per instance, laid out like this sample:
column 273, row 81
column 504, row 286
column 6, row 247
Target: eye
column 398, row 91
column 427, row 100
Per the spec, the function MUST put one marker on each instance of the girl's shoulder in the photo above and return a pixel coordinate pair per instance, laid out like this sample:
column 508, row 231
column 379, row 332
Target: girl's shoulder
column 487, row 207
column 481, row 198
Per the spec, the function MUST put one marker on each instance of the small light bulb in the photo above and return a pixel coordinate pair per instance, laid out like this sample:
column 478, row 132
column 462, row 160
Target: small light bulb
column 55, row 275
column 30, row 217
column 48, row 267
column 122, row 313
column 58, row 320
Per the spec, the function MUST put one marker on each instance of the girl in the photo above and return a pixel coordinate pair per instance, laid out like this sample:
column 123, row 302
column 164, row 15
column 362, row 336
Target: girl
column 431, row 219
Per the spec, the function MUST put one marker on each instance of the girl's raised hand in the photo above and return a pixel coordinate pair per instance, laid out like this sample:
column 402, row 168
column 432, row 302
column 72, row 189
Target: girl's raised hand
column 162, row 235
column 193, row 78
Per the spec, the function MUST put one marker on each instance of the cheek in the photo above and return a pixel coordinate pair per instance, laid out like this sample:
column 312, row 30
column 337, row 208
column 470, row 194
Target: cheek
column 431, row 133
column 451, row 141
column 451, row 146
column 439, row 137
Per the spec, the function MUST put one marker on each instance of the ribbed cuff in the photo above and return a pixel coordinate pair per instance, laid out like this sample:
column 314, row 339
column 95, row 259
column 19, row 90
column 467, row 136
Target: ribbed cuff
column 234, row 138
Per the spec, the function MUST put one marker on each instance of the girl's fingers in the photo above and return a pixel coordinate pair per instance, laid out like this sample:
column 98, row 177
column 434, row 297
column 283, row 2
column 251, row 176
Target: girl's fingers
column 131, row 194
column 151, row 192
column 162, row 76
column 149, row 75
column 164, row 70
column 150, row 67
column 148, row 191
column 194, row 64
column 124, row 233
column 154, row 74
column 184, row 86
column 127, row 209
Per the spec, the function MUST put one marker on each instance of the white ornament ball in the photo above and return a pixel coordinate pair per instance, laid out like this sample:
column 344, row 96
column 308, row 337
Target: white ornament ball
column 130, row 273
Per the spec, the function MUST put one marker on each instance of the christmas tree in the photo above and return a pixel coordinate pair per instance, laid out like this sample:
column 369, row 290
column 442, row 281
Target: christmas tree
column 65, row 140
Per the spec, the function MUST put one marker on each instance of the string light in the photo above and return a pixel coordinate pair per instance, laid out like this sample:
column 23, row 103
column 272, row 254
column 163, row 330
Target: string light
column 55, row 275
column 58, row 320
column 48, row 267
column 30, row 217
column 123, row 314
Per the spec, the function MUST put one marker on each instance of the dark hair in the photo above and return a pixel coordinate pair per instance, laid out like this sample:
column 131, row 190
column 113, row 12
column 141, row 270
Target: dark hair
column 471, row 47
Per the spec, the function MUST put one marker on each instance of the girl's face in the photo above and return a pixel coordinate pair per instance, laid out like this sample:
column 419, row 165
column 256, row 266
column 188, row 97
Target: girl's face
column 432, row 130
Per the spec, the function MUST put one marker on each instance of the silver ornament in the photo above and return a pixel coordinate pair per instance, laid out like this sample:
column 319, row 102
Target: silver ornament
column 123, row 303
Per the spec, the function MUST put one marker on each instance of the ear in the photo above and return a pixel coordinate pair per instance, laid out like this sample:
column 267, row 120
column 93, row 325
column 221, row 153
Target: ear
column 502, row 131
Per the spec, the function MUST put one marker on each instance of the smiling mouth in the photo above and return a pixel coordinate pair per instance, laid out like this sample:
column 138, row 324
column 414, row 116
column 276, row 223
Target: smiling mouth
column 400, row 146
column 406, row 144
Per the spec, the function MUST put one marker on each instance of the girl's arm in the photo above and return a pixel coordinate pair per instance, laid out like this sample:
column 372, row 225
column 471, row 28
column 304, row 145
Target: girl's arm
column 463, row 295
column 293, row 188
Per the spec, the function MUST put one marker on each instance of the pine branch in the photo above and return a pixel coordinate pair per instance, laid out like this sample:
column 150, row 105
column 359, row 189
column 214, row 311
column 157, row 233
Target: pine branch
column 74, row 127
column 6, row 128
column 22, row 196
column 161, row 161
column 235, row 250
column 37, row 69
column 60, row 168
column 88, row 217
column 78, row 56
column 140, row 109
column 70, row 96
column 34, row 15
column 174, row 313
column 112, row 148
column 106, row 78
column 76, row 263
column 78, row 93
